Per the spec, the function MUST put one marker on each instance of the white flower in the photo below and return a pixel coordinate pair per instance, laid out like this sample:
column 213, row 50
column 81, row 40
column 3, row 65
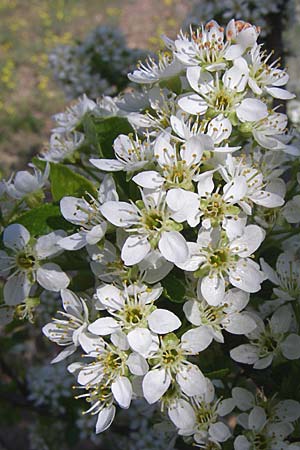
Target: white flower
column 286, row 277
column 208, row 207
column 242, row 36
column 269, row 341
column 278, row 411
column 175, row 169
column 262, row 433
column 267, row 129
column 25, row 259
column 131, row 155
column 106, row 378
column 86, row 214
column 71, row 330
column 151, row 71
column 171, row 368
column 134, row 316
column 221, row 96
column 206, row 47
column 241, row 173
column 267, row 78
column 62, row 146
column 107, row 265
column 291, row 210
column 199, row 417
column 221, row 258
column 212, row 320
column 24, row 183
column 150, row 227
column 68, row 120
column 218, row 129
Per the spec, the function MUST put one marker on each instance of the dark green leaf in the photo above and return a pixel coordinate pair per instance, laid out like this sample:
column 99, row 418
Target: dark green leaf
column 174, row 287
column 65, row 181
column 107, row 130
column 43, row 220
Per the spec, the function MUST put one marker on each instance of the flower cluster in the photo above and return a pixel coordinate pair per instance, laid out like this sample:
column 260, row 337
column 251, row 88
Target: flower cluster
column 97, row 65
column 164, row 204
column 251, row 10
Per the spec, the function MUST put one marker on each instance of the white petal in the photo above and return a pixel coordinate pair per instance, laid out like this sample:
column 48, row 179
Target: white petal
column 74, row 210
column 270, row 273
column 288, row 410
column 140, row 340
column 290, row 347
column 105, row 419
column 246, row 276
column 119, row 339
column 71, row 303
column 239, row 323
column 137, row 364
column 104, row 326
column 192, row 312
column 191, row 380
column 193, row 104
column 135, row 249
column 257, row 418
column 197, row 339
column 235, row 190
column 111, row 297
column 75, row 241
column 51, row 277
column 192, row 150
column 122, row 391
column 242, row 443
column 164, row 152
column 213, row 289
column 245, row 353
column 219, row 432
column 67, row 351
column 205, row 183
column 243, row 398
column 107, row 191
column 120, row 214
column 182, row 415
column 149, row 179
column 173, row 246
column 107, row 165
column 251, row 110
column 96, row 233
column 225, row 406
column 155, row 384
column 249, row 242
column 16, row 289
column 283, row 94
column 15, row 236
column 162, row 321
column 91, row 344
column 281, row 319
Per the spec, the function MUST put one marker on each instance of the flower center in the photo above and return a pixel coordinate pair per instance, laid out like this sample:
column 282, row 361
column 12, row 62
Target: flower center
column 219, row 259
column 113, row 362
column 133, row 315
column 260, row 442
column 212, row 315
column 25, row 261
column 180, row 175
column 152, row 220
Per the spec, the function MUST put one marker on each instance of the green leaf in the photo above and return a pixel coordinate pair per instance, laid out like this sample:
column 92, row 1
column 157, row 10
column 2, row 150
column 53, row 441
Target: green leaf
column 221, row 373
column 90, row 132
column 43, row 220
column 106, row 131
column 66, row 182
column 174, row 287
